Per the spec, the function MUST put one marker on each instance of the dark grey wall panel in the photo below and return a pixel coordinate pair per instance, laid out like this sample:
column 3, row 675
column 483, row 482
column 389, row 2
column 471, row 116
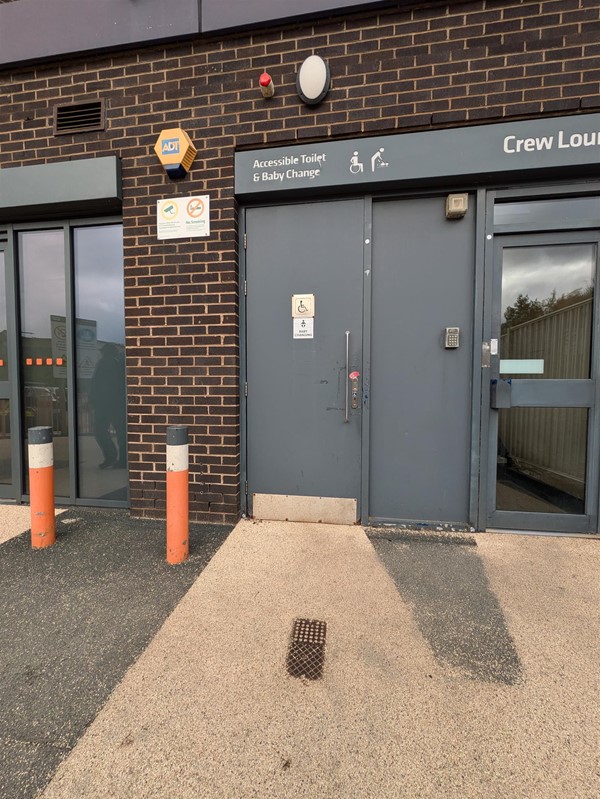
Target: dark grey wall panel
column 88, row 186
column 36, row 29
column 219, row 15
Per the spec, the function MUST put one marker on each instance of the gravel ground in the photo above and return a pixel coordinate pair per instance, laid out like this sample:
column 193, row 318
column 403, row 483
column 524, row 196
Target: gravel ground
column 403, row 709
column 15, row 520
column 74, row 617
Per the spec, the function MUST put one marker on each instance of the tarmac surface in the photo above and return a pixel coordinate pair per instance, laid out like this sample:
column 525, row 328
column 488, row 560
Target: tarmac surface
column 454, row 665
column 74, row 618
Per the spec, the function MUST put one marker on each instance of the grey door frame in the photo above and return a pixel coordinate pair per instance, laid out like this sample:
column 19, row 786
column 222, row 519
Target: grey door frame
column 14, row 324
column 571, row 231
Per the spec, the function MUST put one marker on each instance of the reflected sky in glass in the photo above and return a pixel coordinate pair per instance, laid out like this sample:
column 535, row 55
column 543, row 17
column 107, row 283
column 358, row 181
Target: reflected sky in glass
column 42, row 277
column 538, row 271
column 99, row 281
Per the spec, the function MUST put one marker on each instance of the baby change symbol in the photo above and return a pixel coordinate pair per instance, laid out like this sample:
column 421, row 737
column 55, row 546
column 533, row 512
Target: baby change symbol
column 377, row 161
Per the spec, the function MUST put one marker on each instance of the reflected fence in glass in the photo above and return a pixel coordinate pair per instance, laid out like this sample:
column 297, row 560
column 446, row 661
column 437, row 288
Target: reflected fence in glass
column 542, row 454
column 547, row 306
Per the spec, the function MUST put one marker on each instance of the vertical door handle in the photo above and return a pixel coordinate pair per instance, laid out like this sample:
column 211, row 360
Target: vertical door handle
column 347, row 414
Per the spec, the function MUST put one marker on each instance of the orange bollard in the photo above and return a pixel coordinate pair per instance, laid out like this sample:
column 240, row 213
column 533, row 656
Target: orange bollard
column 41, row 487
column 178, row 516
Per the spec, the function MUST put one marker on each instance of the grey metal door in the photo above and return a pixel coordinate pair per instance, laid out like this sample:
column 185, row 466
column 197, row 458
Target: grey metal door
column 303, row 436
column 420, row 397
column 543, row 430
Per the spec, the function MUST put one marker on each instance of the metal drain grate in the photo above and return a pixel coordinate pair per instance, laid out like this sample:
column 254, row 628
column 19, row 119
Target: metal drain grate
column 306, row 654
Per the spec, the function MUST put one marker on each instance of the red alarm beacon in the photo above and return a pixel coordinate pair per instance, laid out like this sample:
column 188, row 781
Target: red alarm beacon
column 266, row 85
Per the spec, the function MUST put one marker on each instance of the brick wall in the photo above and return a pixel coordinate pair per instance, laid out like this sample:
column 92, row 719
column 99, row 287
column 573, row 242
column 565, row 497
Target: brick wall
column 434, row 66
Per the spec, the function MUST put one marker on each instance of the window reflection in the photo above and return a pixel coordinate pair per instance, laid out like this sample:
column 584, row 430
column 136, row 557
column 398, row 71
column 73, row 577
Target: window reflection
column 547, row 301
column 100, row 354
column 546, row 333
column 43, row 345
column 542, row 455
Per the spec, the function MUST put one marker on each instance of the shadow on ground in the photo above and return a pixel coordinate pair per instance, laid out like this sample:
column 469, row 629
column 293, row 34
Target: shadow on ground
column 445, row 584
column 74, row 618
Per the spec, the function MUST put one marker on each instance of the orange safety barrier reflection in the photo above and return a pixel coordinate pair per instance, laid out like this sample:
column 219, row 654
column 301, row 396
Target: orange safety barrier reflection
column 42, row 362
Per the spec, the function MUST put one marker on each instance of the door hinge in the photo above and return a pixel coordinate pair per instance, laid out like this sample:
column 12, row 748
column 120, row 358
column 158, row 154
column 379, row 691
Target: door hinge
column 245, row 240
column 245, row 389
column 246, row 488
column 245, row 288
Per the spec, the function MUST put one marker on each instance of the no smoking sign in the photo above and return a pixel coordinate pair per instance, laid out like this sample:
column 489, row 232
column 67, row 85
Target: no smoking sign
column 181, row 218
column 195, row 207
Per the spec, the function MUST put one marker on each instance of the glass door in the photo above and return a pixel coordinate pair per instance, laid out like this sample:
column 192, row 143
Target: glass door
column 543, row 436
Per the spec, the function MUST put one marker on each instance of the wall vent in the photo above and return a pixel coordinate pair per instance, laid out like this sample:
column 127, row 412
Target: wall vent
column 3, row 235
column 79, row 117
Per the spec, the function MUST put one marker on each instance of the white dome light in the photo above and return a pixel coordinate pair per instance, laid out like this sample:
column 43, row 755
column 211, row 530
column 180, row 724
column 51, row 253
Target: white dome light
column 313, row 80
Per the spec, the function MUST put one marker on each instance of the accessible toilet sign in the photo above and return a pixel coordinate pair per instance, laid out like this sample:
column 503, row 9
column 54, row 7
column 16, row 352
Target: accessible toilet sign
column 514, row 147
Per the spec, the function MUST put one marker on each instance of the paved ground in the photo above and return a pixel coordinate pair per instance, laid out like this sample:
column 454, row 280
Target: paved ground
column 455, row 667
column 73, row 619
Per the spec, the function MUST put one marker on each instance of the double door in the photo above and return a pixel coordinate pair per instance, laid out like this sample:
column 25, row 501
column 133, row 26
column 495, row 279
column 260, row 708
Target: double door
column 361, row 411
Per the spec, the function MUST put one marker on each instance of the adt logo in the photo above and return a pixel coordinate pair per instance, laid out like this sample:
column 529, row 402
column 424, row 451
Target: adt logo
column 170, row 147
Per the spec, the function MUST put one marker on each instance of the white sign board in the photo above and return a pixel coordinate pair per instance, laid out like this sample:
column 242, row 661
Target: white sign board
column 304, row 328
column 183, row 217
column 303, row 305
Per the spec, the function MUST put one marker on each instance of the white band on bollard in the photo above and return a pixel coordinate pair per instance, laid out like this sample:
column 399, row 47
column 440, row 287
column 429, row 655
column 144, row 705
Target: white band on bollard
column 177, row 457
column 40, row 456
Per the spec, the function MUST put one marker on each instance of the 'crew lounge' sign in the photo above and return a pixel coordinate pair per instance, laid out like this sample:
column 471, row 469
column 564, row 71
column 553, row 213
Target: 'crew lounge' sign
column 563, row 141
column 539, row 147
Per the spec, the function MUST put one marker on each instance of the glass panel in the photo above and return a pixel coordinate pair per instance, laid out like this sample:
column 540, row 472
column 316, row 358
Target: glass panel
column 549, row 212
column 100, row 354
column 3, row 324
column 43, row 344
column 542, row 460
column 547, row 303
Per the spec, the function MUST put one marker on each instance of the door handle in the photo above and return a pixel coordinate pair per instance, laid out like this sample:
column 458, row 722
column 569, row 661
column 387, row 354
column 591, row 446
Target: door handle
column 347, row 414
